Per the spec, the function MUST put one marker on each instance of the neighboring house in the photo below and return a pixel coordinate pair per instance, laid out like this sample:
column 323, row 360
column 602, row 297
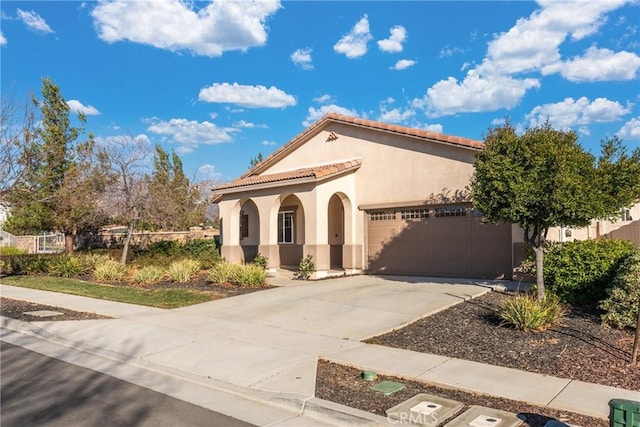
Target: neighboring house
column 626, row 227
column 360, row 195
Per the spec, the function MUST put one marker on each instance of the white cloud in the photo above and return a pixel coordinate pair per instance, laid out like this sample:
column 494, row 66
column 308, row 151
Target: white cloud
column 302, row 58
column 268, row 143
column 3, row 40
column 580, row 112
column 315, row 114
column 141, row 139
column 191, row 131
column 396, row 115
column 184, row 149
column 476, row 94
column 247, row 96
column 631, row 129
column 403, row 64
column 598, row 65
column 448, row 51
column 394, row 42
column 437, row 128
column 77, row 107
column 175, row 25
column 354, row 43
column 248, row 125
column 533, row 42
column 208, row 171
column 323, row 99
column 34, row 21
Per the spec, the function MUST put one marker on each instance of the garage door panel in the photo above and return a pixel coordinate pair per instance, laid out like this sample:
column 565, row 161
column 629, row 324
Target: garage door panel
column 447, row 247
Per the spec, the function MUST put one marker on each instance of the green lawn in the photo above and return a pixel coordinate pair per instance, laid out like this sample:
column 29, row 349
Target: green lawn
column 162, row 298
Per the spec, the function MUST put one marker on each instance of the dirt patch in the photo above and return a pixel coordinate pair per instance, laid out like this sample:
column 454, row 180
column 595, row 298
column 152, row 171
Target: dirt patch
column 579, row 348
column 16, row 309
column 344, row 385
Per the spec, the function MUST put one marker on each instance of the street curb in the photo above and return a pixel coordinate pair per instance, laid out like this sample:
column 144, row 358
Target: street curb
column 298, row 405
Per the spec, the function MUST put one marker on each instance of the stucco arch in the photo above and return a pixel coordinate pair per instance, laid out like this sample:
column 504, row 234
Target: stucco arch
column 249, row 229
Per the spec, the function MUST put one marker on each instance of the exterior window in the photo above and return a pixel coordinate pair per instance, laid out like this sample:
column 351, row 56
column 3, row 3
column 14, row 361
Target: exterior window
column 383, row 215
column 450, row 211
column 285, row 227
column 626, row 215
column 244, row 226
column 415, row 213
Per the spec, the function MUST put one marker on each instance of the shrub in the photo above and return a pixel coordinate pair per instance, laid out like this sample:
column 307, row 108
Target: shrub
column 305, row 268
column 183, row 270
column 110, row 271
column 261, row 261
column 527, row 313
column 250, row 275
column 579, row 272
column 623, row 297
column 11, row 250
column 66, row 266
column 224, row 272
column 92, row 260
column 148, row 275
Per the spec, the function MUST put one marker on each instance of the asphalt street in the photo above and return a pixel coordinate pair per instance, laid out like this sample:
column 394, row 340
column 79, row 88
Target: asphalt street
column 40, row 391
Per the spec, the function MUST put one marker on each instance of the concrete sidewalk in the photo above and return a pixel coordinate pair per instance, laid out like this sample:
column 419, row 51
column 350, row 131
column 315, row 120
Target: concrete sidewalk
column 263, row 347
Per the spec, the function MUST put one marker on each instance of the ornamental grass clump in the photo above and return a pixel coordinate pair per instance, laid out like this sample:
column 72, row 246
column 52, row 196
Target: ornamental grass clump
column 110, row 270
column 224, row 272
column 527, row 313
column 250, row 275
column 182, row 271
column 66, row 266
column 148, row 275
column 92, row 260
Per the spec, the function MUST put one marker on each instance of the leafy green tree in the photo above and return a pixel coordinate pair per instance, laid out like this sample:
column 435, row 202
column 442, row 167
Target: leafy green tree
column 544, row 178
column 57, row 186
column 173, row 202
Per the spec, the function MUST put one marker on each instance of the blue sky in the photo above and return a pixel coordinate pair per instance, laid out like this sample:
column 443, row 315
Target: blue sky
column 220, row 81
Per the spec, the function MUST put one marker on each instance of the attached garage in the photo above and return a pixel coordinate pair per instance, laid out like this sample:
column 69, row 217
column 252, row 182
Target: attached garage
column 444, row 241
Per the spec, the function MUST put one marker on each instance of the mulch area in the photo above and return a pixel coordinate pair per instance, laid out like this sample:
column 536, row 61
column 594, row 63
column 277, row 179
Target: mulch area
column 344, row 385
column 579, row 348
column 16, row 309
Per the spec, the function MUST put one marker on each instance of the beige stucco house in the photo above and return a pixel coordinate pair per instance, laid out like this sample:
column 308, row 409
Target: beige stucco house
column 360, row 195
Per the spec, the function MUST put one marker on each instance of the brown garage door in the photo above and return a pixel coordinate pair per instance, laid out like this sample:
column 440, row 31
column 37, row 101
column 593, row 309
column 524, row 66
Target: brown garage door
column 441, row 241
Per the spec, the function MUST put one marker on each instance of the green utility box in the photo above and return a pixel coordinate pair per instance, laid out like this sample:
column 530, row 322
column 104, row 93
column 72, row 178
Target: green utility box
column 624, row 413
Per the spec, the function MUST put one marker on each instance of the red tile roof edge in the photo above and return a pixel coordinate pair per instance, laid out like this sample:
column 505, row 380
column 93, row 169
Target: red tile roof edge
column 317, row 172
column 403, row 130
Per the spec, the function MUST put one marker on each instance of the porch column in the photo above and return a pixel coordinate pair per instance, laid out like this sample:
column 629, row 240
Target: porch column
column 268, row 207
column 230, row 215
column 316, row 239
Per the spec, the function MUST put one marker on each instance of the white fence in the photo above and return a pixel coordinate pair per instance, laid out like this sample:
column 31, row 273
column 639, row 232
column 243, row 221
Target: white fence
column 50, row 243
column 7, row 239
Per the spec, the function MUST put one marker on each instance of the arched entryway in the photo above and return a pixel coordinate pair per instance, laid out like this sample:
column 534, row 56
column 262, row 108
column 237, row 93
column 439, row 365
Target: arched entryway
column 335, row 230
column 249, row 230
column 290, row 230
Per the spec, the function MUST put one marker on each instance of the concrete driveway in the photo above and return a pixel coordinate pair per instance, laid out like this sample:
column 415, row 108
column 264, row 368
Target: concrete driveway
column 355, row 307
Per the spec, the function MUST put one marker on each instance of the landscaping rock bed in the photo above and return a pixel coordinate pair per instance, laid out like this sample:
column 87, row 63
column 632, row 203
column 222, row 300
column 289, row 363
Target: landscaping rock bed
column 579, row 348
column 16, row 309
column 344, row 385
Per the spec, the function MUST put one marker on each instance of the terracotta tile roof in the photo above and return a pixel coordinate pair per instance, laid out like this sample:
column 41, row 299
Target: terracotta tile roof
column 316, row 172
column 339, row 118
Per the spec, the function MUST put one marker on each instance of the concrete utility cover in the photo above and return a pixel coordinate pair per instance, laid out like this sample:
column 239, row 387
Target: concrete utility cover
column 478, row 416
column 425, row 410
column 43, row 313
column 388, row 387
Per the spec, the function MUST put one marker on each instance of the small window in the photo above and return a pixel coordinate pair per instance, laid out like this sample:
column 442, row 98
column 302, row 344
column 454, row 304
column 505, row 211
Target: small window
column 285, row 227
column 383, row 216
column 244, row 226
column 450, row 211
column 415, row 213
column 626, row 215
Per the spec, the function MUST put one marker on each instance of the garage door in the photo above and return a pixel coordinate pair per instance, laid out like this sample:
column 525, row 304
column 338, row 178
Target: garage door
column 441, row 241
